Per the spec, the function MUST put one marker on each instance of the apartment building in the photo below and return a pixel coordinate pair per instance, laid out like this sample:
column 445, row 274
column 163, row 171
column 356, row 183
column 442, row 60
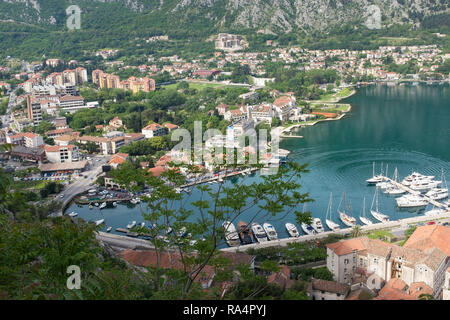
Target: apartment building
column 229, row 42
column 26, row 139
column 285, row 107
column 110, row 81
column 423, row 258
column 60, row 154
column 154, row 130
column 34, row 110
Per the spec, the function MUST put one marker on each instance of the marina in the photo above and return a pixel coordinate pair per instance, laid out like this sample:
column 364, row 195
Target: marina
column 341, row 154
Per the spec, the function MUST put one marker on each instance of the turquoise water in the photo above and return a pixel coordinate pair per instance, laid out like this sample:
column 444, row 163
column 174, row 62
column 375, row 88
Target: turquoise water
column 407, row 127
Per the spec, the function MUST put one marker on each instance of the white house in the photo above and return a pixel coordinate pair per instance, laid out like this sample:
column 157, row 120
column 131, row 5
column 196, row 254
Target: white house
column 154, row 130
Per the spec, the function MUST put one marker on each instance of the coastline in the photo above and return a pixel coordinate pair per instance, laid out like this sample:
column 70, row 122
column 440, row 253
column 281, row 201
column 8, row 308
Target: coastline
column 281, row 129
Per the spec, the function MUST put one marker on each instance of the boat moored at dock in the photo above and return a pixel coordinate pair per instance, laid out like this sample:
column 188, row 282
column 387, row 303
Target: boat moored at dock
column 270, row 231
column 258, row 232
column 292, row 230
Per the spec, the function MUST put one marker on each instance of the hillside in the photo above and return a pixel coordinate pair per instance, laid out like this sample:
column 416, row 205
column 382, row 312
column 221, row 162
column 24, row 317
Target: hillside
column 35, row 27
column 272, row 15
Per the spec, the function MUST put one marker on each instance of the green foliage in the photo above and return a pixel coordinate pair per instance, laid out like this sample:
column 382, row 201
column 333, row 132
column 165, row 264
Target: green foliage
column 306, row 274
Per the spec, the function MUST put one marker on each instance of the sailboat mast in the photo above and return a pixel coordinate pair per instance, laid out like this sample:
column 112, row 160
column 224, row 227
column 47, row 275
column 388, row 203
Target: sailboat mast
column 364, row 207
column 344, row 202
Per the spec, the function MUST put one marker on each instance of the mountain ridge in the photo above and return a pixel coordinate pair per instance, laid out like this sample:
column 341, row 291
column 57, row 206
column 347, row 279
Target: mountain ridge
column 273, row 16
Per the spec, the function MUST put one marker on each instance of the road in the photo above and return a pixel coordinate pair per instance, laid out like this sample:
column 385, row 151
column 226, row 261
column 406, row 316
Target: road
column 82, row 184
column 6, row 118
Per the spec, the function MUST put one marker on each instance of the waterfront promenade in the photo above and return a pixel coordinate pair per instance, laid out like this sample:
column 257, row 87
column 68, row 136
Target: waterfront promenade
column 398, row 224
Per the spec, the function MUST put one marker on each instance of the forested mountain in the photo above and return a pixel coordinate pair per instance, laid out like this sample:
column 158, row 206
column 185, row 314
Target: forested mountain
column 272, row 15
column 41, row 24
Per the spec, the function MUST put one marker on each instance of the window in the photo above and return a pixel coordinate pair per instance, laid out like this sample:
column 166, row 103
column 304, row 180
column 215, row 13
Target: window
column 346, row 261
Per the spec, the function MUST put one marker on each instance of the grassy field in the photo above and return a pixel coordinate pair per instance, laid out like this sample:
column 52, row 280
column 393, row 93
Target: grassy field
column 334, row 97
column 331, row 108
column 380, row 234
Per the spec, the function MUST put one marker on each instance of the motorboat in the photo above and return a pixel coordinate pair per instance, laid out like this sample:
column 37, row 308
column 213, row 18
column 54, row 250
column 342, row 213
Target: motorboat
column 182, row 233
column 231, row 235
column 437, row 193
column 394, row 191
column 292, row 230
column 99, row 222
column 384, row 185
column 131, row 224
column 244, row 233
column 115, row 204
column 411, row 201
column 363, row 217
column 258, row 232
column 348, row 220
column 109, row 229
column 330, row 223
column 97, row 204
column 317, row 225
column 270, row 231
column 424, row 185
column 308, row 229
column 142, row 224
column 415, row 176
column 73, row 214
column 103, row 205
column 435, row 212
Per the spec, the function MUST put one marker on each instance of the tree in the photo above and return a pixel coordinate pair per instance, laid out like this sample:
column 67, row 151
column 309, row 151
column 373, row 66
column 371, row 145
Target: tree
column 274, row 195
column 356, row 231
column 43, row 127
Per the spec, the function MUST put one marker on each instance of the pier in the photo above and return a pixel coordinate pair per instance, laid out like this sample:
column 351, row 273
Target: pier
column 417, row 193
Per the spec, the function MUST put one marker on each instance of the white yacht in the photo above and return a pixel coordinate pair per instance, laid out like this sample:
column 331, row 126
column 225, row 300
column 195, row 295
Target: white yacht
column 375, row 178
column 348, row 220
column 394, row 191
column 131, row 224
column 437, row 193
column 292, row 230
column 109, row 229
column 333, row 226
column 103, row 205
column 258, row 232
column 115, row 204
column 317, row 225
column 384, row 185
column 99, row 222
column 434, row 212
column 415, row 176
column 376, row 213
column 411, row 201
column 73, row 214
column 308, row 229
column 363, row 217
column 231, row 235
column 424, row 185
column 270, row 230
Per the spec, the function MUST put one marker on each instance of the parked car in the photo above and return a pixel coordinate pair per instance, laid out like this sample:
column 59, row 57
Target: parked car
column 431, row 222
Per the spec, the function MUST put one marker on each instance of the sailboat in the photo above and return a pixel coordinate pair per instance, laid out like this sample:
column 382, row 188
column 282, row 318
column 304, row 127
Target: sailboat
column 439, row 193
column 330, row 223
column 393, row 190
column 348, row 220
column 363, row 218
column 376, row 213
column 375, row 178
